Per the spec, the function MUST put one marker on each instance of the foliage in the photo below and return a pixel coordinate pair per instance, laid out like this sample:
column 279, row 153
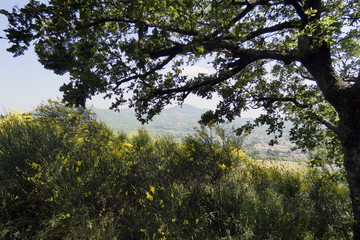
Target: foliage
column 261, row 51
column 296, row 59
column 66, row 176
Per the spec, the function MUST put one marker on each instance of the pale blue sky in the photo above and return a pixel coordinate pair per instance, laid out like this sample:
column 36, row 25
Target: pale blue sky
column 24, row 83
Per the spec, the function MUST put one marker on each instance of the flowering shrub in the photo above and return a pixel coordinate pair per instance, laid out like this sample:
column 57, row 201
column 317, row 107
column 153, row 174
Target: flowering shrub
column 64, row 175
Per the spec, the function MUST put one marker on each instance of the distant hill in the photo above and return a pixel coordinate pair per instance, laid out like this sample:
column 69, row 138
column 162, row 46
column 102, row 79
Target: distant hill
column 179, row 121
column 174, row 120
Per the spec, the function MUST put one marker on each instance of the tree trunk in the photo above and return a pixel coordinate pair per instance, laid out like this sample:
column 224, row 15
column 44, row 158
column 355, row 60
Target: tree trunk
column 345, row 98
column 350, row 138
column 351, row 149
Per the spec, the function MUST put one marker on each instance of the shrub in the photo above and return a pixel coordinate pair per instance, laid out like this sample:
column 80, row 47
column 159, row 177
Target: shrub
column 64, row 175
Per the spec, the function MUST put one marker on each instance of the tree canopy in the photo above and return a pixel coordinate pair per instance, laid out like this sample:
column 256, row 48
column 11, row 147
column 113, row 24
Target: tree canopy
column 257, row 48
column 296, row 59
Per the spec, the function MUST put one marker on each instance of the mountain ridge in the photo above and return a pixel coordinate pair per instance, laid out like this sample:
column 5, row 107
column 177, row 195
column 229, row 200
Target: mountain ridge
column 180, row 121
column 179, row 118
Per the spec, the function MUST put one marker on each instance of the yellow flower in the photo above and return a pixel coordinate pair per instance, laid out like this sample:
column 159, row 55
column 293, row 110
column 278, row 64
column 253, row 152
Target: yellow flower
column 161, row 231
column 27, row 116
column 149, row 196
column 78, row 179
column 87, row 194
column 186, row 222
column 65, row 161
column 222, row 166
column 152, row 189
column 38, row 175
column 35, row 165
column 128, row 145
column 50, row 199
column 173, row 220
column 130, row 163
column 122, row 211
column 65, row 216
column 90, row 225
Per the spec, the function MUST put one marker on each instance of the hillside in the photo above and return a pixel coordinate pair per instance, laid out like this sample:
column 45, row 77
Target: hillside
column 178, row 121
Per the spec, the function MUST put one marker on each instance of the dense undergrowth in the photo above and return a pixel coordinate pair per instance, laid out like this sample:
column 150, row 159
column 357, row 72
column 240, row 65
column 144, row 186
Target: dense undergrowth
column 64, row 175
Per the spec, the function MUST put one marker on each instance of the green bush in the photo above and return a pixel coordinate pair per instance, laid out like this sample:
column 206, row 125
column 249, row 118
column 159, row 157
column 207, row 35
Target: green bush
column 64, row 175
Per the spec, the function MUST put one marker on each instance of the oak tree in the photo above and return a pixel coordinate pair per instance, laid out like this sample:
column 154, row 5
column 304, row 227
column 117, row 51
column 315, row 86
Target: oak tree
column 296, row 59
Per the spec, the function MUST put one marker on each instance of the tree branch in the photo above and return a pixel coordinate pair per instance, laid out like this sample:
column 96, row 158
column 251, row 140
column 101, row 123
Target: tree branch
column 135, row 21
column 208, row 80
column 248, row 8
column 330, row 125
column 277, row 27
column 178, row 48
column 298, row 8
column 254, row 54
column 271, row 100
column 144, row 75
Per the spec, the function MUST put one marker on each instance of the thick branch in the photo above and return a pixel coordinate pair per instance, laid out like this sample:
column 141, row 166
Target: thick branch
column 271, row 100
column 178, row 48
column 298, row 8
column 208, row 80
column 144, row 75
column 255, row 54
column 277, row 27
column 232, row 46
column 243, row 13
column 330, row 125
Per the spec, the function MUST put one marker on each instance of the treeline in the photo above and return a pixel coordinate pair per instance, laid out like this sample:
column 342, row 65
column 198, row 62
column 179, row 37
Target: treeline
column 64, row 175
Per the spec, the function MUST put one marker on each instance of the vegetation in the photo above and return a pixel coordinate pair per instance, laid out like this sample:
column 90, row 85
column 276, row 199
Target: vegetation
column 180, row 121
column 63, row 175
column 296, row 59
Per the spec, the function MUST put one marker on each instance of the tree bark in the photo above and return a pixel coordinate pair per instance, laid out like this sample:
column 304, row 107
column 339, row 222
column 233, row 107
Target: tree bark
column 350, row 138
column 352, row 166
column 345, row 98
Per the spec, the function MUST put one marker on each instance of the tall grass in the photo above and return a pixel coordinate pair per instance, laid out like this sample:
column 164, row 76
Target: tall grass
column 66, row 176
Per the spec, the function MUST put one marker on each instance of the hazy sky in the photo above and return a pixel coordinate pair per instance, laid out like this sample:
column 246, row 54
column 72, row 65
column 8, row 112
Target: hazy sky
column 24, row 83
